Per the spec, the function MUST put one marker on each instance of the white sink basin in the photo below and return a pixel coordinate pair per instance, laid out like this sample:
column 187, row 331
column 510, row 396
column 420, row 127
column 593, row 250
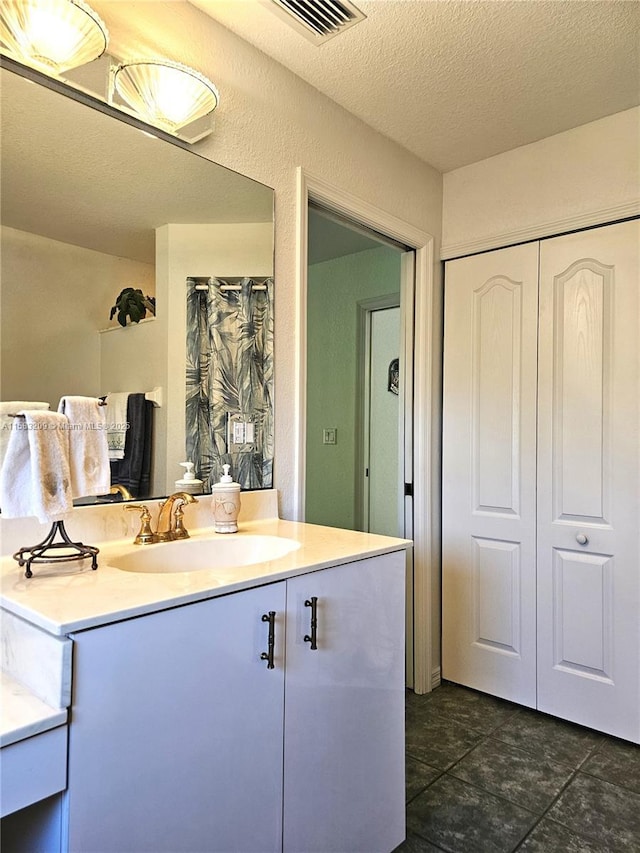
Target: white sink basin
column 224, row 551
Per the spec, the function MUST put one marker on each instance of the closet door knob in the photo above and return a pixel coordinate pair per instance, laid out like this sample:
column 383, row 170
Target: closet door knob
column 581, row 539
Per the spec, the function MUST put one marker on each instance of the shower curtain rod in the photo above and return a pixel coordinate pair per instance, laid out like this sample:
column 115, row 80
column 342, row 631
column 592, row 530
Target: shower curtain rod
column 232, row 282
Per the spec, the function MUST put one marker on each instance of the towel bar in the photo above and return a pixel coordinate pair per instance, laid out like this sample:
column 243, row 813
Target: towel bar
column 10, row 415
column 154, row 396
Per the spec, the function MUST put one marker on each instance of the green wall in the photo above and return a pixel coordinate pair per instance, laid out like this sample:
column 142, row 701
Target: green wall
column 334, row 289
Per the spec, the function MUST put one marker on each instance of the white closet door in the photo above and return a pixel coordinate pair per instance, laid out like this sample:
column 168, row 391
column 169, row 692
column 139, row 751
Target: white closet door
column 588, row 470
column 489, row 459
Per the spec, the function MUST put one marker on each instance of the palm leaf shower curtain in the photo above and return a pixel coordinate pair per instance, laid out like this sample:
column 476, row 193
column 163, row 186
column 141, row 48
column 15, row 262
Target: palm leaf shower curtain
column 230, row 379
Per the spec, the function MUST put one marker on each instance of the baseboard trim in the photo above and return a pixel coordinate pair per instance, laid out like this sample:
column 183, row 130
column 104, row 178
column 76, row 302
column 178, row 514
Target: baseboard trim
column 436, row 678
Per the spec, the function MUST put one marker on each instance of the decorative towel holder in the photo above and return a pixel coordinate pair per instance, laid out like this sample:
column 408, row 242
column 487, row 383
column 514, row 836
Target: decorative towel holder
column 39, row 553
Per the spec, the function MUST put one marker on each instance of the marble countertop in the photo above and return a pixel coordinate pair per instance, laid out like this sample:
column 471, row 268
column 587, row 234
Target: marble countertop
column 62, row 599
column 23, row 714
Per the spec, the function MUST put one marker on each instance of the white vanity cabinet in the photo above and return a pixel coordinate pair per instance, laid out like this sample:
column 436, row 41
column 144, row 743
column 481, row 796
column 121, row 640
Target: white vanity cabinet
column 344, row 710
column 172, row 743
column 182, row 739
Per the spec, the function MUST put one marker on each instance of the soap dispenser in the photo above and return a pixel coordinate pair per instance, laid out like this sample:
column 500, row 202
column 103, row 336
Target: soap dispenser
column 189, row 482
column 226, row 503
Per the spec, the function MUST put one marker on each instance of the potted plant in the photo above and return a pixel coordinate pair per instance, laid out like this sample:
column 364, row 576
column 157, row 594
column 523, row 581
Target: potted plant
column 133, row 304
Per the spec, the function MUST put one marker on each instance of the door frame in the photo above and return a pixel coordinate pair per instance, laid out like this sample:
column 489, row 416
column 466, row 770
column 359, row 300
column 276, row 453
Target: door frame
column 426, row 400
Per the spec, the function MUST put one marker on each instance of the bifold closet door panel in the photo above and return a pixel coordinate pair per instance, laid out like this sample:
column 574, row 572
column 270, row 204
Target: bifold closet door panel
column 489, row 477
column 588, row 479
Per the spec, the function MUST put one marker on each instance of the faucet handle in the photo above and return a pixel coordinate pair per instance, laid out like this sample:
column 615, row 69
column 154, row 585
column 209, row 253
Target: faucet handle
column 145, row 535
column 179, row 530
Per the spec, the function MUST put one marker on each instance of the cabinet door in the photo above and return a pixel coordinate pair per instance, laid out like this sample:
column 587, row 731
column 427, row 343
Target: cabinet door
column 344, row 713
column 176, row 733
column 489, row 477
column 589, row 465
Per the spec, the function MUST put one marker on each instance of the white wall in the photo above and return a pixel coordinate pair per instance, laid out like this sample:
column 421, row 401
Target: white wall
column 335, row 288
column 55, row 298
column 384, row 469
column 132, row 358
column 585, row 176
column 269, row 122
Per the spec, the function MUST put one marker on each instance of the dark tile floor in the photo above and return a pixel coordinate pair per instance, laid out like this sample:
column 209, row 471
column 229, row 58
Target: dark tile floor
column 488, row 776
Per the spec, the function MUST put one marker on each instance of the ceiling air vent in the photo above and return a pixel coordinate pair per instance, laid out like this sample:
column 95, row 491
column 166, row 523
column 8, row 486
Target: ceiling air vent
column 317, row 20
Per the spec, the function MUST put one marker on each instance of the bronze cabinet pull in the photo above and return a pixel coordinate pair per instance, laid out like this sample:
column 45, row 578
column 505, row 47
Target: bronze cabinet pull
column 271, row 640
column 313, row 637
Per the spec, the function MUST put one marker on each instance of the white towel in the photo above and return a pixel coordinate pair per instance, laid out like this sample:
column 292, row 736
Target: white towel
column 6, row 423
column 35, row 478
column 117, row 423
column 88, row 450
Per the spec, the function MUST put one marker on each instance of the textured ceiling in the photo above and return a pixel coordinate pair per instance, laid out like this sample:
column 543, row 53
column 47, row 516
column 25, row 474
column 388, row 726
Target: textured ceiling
column 455, row 82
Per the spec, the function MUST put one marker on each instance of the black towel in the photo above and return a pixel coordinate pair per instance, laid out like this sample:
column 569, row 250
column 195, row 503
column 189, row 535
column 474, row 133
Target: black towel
column 134, row 471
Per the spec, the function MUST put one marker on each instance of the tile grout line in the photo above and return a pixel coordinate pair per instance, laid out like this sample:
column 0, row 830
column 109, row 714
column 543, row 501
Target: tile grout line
column 574, row 773
column 484, row 736
column 492, row 735
column 620, row 785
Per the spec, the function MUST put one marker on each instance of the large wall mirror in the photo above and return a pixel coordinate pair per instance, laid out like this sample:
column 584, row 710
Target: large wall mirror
column 91, row 205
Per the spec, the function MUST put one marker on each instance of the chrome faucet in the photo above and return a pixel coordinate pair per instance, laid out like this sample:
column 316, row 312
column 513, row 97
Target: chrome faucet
column 170, row 525
column 166, row 528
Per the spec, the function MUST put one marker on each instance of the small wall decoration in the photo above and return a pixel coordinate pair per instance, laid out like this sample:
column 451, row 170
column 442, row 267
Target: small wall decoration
column 394, row 376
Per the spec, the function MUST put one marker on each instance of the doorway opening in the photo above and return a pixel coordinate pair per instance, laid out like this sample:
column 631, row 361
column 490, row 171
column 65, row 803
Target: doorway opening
column 353, row 276
column 423, row 388
column 359, row 357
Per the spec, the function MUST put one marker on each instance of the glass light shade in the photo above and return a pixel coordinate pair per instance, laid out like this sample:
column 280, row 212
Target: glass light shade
column 51, row 35
column 165, row 94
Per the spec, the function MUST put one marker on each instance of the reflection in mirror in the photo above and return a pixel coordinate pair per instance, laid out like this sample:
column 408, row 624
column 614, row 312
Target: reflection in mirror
column 92, row 205
column 229, row 378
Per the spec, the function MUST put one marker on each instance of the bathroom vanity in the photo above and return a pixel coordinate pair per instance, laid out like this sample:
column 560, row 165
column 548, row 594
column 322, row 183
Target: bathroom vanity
column 252, row 708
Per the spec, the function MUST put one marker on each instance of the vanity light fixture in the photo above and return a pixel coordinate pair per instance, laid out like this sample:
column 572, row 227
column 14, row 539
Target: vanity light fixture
column 51, row 35
column 165, row 94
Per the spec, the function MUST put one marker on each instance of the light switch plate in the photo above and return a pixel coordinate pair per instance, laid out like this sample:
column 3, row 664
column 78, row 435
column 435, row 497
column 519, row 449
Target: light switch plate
column 241, row 432
column 330, row 436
